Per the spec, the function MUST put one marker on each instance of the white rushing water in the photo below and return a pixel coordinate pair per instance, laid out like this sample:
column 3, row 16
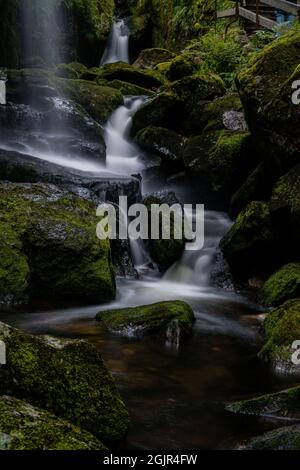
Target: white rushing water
column 118, row 44
column 122, row 155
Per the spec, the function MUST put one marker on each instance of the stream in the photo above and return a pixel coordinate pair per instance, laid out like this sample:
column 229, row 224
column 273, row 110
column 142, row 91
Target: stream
column 175, row 396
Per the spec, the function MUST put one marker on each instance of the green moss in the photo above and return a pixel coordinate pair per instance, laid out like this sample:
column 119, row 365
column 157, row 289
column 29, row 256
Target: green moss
column 282, row 328
column 65, row 377
column 24, row 427
column 150, row 319
column 211, row 116
column 164, row 252
column 149, row 79
column 198, row 87
column 98, row 101
column 284, row 404
column 51, row 249
column 161, row 111
column 127, row 89
column 72, row 70
column 285, row 438
column 179, row 67
column 249, row 245
column 150, row 58
column 282, row 285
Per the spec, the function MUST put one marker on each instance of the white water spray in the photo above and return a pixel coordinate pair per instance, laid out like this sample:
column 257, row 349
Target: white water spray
column 118, row 44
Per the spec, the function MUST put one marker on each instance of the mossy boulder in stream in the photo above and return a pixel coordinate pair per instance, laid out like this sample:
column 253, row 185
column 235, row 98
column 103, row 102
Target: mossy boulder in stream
column 25, row 427
column 283, row 405
column 282, row 328
column 282, row 285
column 66, row 377
column 49, row 248
column 73, row 70
column 164, row 110
column 172, row 320
column 215, row 115
column 165, row 143
column 250, row 243
column 265, row 87
column 180, row 67
column 150, row 58
column 285, row 438
column 127, row 73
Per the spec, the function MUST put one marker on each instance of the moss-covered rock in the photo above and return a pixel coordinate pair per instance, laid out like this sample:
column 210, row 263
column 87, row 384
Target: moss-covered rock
column 98, row 101
column 180, row 67
column 66, row 377
column 24, row 427
column 165, row 143
column 161, row 111
column 284, row 404
column 282, row 285
column 265, row 87
column 127, row 89
column 49, row 249
column 172, row 320
column 73, row 70
column 127, row 73
column 285, row 206
column 164, row 251
column 285, row 438
column 257, row 187
column 222, row 158
column 213, row 114
column 250, row 243
column 150, row 58
column 282, row 328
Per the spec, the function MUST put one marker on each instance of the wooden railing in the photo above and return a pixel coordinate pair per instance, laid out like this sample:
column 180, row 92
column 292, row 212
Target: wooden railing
column 256, row 17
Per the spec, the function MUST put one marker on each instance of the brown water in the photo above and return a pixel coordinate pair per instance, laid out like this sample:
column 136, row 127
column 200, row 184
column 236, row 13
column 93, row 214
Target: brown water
column 176, row 397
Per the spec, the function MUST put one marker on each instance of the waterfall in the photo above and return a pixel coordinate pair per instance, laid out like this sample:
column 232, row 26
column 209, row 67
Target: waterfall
column 118, row 44
column 42, row 30
column 122, row 154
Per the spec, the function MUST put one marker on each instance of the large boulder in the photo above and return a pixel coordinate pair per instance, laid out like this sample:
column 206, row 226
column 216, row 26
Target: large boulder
column 285, row 438
column 25, row 427
column 172, row 320
column 52, row 251
column 266, row 90
column 66, row 377
column 165, row 143
column 127, row 89
column 128, row 73
column 149, row 58
column 282, row 285
column 250, row 244
column 164, row 251
column 222, row 158
column 225, row 112
column 161, row 111
column 281, row 405
column 282, row 328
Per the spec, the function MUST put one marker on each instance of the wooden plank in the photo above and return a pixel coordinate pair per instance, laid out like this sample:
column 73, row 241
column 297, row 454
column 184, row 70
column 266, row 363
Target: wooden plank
column 251, row 16
column 289, row 7
column 226, row 13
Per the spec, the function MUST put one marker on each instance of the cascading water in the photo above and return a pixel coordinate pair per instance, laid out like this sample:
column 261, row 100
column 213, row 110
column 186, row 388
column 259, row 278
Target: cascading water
column 118, row 44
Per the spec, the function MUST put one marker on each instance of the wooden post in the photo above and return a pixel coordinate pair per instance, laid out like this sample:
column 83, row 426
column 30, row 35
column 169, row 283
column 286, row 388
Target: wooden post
column 257, row 13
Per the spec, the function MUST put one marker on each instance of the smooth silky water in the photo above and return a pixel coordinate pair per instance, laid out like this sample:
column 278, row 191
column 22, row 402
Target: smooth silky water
column 175, row 396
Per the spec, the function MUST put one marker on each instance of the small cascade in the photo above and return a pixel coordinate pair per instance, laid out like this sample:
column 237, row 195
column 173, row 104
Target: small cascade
column 118, row 44
column 122, row 154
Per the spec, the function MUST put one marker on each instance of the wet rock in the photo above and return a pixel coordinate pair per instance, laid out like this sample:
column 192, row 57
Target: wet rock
column 165, row 143
column 281, row 405
column 149, row 58
column 72, row 71
column 282, row 285
column 24, row 427
column 221, row 113
column 180, row 67
column 128, row 73
column 282, row 328
column 52, row 251
column 127, row 89
column 234, row 121
column 250, row 243
column 265, row 88
column 161, row 111
column 19, row 168
column 164, row 251
column 285, row 438
column 172, row 320
column 66, row 377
